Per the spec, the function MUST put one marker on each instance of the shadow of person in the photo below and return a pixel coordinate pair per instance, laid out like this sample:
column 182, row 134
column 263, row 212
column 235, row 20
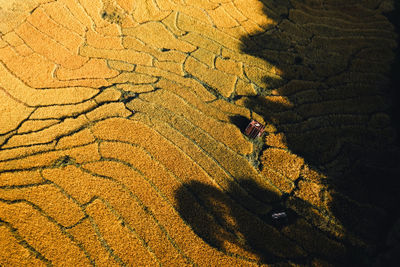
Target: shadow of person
column 233, row 228
column 331, row 105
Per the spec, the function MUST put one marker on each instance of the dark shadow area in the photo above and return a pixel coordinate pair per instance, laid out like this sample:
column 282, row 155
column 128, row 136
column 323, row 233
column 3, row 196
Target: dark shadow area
column 339, row 82
column 389, row 253
column 394, row 18
column 240, row 121
column 233, row 228
column 341, row 89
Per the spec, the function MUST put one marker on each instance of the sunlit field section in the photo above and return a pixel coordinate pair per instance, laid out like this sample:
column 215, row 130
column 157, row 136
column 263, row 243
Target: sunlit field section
column 122, row 132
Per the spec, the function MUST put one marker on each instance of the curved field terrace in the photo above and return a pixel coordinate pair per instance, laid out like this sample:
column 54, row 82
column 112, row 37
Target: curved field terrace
column 122, row 133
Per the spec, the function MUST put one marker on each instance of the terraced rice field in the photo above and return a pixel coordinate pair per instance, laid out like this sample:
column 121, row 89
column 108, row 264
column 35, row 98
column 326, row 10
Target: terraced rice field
column 121, row 132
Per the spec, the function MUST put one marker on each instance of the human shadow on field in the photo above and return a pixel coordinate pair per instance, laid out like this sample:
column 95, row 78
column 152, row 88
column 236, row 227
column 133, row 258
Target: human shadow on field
column 233, row 227
column 331, row 107
column 335, row 119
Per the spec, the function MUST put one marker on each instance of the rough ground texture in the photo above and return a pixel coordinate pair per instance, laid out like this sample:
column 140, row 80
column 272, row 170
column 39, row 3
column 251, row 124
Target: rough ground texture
column 121, row 132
